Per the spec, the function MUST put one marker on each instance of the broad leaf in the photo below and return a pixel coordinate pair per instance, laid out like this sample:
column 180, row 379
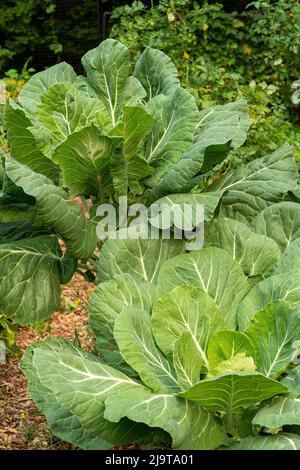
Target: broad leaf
column 106, row 303
column 139, row 257
column 281, row 441
column 84, row 159
column 30, row 279
column 280, row 412
column 225, row 345
column 65, row 425
column 30, row 94
column 290, row 259
column 281, row 222
column 212, row 270
column 63, row 372
column 231, row 392
column 190, row 426
column 254, row 186
column 292, row 381
column 156, row 72
column 185, row 309
column 187, row 360
column 175, row 117
column 107, row 69
column 273, row 331
column 55, row 209
column 134, row 337
column 283, row 287
column 255, row 253
column 22, row 142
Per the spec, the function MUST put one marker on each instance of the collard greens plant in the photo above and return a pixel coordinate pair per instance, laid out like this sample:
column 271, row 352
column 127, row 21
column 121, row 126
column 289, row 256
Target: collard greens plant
column 120, row 130
column 197, row 351
column 194, row 350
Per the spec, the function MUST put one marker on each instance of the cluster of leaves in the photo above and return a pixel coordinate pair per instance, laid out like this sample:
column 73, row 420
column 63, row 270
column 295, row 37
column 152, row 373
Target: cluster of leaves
column 223, row 56
column 191, row 346
column 195, row 350
column 97, row 137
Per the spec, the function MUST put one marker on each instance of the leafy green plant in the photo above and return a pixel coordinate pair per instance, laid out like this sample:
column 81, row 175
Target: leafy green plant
column 197, row 351
column 106, row 135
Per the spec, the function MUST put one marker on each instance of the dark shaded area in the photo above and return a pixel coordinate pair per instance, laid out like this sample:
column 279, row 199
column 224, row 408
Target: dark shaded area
column 48, row 31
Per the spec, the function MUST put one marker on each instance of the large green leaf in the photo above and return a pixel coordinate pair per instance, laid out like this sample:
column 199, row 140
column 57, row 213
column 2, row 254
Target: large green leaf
column 134, row 127
column 282, row 441
column 31, row 93
column 254, row 186
column 156, row 72
column 273, row 331
column 22, row 142
column 231, row 392
column 55, row 209
column 185, row 309
column 175, row 117
column 139, row 257
column 30, row 280
column 134, row 337
column 225, row 345
column 81, row 385
column 190, row 426
column 85, row 158
column 187, row 360
column 65, row 425
column 290, row 259
column 281, row 222
column 107, row 69
column 176, row 204
column 292, row 381
column 212, row 270
column 285, row 287
column 106, row 303
column 217, row 129
column 255, row 253
column 62, row 110
column 280, row 412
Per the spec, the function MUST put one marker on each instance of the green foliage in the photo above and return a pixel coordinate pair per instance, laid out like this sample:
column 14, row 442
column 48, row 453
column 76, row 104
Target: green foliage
column 224, row 56
column 181, row 334
column 172, row 370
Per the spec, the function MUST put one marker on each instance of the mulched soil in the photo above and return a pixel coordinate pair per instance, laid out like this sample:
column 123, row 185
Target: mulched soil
column 21, row 425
